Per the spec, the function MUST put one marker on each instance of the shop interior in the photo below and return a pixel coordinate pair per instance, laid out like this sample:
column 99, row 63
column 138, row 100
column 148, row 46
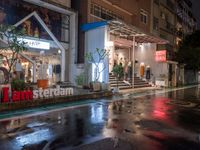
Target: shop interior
column 48, row 65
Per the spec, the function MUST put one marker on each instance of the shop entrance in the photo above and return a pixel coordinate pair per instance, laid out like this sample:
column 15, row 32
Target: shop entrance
column 122, row 55
column 47, row 66
column 172, row 74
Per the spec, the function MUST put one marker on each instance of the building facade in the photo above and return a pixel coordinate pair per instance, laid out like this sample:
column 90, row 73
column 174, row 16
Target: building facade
column 163, row 25
column 186, row 23
column 133, row 38
column 130, row 11
column 50, row 34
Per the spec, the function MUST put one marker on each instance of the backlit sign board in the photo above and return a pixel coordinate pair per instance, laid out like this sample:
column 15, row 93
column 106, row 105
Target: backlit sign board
column 35, row 44
column 161, row 56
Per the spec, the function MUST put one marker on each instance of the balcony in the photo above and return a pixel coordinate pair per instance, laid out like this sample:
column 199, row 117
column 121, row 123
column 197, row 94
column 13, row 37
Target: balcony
column 167, row 26
column 180, row 33
column 169, row 5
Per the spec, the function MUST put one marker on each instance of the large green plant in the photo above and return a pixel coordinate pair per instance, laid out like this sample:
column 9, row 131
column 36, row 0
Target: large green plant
column 189, row 51
column 13, row 46
column 97, row 57
column 118, row 72
column 80, row 79
column 18, row 85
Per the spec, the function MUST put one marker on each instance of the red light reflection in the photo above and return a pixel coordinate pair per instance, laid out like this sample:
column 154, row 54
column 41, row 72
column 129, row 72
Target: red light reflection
column 161, row 109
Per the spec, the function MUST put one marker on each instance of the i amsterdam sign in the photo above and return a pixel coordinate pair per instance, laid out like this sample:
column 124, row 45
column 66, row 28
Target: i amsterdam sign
column 34, row 94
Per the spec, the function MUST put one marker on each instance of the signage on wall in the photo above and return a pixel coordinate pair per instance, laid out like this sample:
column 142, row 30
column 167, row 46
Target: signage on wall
column 27, row 95
column 35, row 43
column 161, row 56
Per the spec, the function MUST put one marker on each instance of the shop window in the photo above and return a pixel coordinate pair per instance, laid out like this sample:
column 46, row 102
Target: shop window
column 155, row 23
column 103, row 13
column 143, row 16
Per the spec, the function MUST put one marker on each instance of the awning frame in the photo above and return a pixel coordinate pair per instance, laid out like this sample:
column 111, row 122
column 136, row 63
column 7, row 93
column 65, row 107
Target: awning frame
column 124, row 30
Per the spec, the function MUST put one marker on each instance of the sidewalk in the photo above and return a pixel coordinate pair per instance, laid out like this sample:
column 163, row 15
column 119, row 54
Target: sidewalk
column 107, row 144
column 135, row 90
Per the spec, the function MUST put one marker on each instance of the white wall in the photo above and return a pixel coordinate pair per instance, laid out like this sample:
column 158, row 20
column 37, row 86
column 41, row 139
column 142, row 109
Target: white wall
column 73, row 48
column 146, row 54
column 97, row 38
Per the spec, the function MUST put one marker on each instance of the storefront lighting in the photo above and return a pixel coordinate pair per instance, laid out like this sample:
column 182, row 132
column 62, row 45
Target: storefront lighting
column 161, row 56
column 35, row 43
column 59, row 51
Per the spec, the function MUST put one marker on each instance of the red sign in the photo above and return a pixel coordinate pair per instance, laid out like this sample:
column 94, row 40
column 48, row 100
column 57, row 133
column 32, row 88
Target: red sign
column 16, row 95
column 26, row 95
column 161, row 56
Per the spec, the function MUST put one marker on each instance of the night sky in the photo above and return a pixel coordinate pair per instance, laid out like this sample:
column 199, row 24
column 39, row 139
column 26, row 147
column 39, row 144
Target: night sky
column 196, row 11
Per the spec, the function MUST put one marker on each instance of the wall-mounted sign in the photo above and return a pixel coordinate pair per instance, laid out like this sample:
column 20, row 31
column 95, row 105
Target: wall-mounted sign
column 35, row 94
column 35, row 43
column 161, row 56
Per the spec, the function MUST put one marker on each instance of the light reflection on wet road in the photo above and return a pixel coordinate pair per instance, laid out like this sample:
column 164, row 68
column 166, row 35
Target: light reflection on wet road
column 162, row 121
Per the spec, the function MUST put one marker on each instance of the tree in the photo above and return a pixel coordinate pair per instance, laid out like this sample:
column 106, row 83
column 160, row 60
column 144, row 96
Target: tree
column 189, row 51
column 118, row 72
column 96, row 58
column 10, row 35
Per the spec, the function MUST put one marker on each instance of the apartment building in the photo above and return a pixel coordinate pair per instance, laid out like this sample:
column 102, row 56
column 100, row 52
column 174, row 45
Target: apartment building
column 186, row 22
column 133, row 12
column 164, row 22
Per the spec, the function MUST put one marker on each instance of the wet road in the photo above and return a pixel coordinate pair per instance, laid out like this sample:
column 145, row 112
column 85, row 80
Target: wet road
column 152, row 120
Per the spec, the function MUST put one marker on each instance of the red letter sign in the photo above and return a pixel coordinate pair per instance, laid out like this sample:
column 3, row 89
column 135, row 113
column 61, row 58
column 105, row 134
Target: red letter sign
column 5, row 94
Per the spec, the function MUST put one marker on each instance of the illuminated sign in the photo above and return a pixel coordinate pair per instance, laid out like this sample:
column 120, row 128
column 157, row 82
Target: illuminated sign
column 35, row 43
column 35, row 94
column 161, row 56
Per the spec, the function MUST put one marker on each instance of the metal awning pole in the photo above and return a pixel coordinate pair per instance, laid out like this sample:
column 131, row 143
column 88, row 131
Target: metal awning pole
column 133, row 64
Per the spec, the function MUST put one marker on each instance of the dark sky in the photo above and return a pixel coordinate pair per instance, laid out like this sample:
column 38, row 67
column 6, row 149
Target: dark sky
column 196, row 11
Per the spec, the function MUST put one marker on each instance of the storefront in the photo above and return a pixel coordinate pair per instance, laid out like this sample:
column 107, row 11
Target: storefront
column 143, row 58
column 50, row 34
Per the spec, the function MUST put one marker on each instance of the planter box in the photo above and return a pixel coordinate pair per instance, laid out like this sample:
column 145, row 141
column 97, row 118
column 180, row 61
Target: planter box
column 42, row 83
column 95, row 86
column 105, row 86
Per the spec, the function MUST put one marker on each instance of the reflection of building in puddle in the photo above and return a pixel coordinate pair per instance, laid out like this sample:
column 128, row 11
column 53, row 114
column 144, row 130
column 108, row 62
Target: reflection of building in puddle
column 114, row 125
column 97, row 114
column 34, row 137
column 113, row 128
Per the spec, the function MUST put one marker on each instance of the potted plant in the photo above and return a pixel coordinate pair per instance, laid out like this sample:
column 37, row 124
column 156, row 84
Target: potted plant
column 18, row 85
column 97, row 58
column 118, row 72
column 80, row 80
column 42, row 81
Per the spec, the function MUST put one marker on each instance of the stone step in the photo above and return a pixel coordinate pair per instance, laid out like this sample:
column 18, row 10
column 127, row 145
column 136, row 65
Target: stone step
column 138, row 83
